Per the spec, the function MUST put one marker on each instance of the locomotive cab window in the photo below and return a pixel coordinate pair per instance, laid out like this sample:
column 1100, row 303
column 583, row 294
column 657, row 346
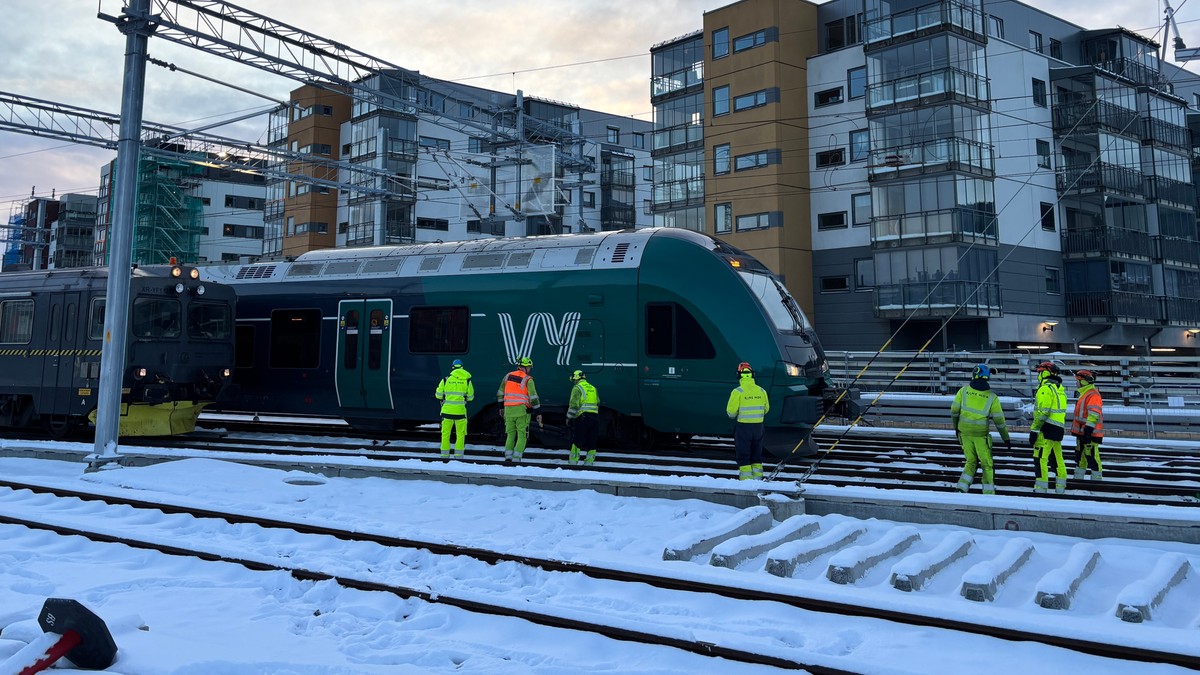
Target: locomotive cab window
column 209, row 321
column 438, row 330
column 295, row 338
column 156, row 318
column 16, row 321
column 672, row 331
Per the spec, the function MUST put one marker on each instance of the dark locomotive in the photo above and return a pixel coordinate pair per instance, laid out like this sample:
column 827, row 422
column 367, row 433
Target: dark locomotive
column 180, row 349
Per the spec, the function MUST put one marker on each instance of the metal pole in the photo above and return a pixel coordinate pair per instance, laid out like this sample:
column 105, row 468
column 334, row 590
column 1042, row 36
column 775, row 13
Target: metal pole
column 137, row 29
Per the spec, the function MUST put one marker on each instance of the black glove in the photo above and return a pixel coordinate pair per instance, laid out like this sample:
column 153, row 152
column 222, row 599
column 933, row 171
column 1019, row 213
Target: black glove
column 1033, row 436
column 570, row 422
column 1087, row 435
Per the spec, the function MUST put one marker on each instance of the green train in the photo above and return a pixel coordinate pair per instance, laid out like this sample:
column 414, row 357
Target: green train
column 657, row 318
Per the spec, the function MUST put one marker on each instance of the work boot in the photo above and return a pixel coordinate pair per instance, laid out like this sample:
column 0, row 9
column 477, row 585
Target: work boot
column 1079, row 473
column 1040, row 485
column 458, row 455
column 574, row 458
column 1099, row 475
column 445, row 454
column 1060, row 486
column 744, row 472
column 591, row 457
column 756, row 471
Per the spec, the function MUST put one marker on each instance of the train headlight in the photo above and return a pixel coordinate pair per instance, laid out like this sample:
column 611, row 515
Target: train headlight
column 792, row 369
column 200, row 289
column 179, row 288
column 225, row 372
column 139, row 373
column 176, row 272
column 193, row 273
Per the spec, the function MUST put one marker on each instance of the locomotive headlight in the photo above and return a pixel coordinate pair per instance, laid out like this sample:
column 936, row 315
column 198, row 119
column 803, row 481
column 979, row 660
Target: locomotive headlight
column 792, row 369
column 225, row 372
column 176, row 272
column 179, row 288
column 193, row 273
column 139, row 373
column 200, row 289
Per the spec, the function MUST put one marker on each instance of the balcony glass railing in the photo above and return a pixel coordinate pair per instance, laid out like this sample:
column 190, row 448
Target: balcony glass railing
column 932, row 227
column 929, row 298
column 1101, row 177
column 930, row 87
column 943, row 154
column 1107, row 241
column 1182, row 311
column 1165, row 133
column 680, row 79
column 1172, row 191
column 679, row 193
column 1114, row 307
column 1178, row 251
column 925, row 20
column 1087, row 116
column 677, row 138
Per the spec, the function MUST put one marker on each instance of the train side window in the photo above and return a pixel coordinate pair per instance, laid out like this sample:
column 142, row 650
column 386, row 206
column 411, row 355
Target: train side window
column 295, row 338
column 672, row 331
column 350, row 353
column 96, row 319
column 243, row 355
column 55, row 319
column 71, row 322
column 16, row 321
column 438, row 330
column 375, row 340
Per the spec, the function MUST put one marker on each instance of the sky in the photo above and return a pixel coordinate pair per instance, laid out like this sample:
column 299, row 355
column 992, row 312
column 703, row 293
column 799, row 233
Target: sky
column 593, row 53
column 180, row 616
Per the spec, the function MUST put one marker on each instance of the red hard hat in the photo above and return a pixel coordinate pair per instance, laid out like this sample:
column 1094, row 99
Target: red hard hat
column 1086, row 376
column 744, row 367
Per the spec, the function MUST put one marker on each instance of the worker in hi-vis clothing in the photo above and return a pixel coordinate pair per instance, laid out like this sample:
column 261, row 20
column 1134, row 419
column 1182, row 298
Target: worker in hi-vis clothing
column 974, row 406
column 1049, row 424
column 454, row 391
column 518, row 400
column 583, row 417
column 1087, row 426
column 748, row 405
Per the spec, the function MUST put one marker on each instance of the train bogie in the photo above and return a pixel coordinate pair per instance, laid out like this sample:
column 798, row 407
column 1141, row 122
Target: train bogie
column 657, row 320
column 52, row 334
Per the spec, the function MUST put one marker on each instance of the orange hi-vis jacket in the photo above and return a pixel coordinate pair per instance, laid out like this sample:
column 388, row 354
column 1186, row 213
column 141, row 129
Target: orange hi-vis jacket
column 516, row 389
column 1089, row 412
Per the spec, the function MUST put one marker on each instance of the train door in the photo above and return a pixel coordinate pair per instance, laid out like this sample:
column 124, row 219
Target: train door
column 63, row 360
column 364, row 352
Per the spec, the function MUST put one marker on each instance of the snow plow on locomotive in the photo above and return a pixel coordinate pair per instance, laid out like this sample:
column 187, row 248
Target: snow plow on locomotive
column 657, row 319
column 180, row 349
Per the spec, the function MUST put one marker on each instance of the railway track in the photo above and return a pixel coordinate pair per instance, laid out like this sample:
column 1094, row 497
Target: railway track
column 318, row 551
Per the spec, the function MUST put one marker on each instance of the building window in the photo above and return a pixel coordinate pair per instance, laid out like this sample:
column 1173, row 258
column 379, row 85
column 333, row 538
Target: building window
column 647, row 207
column 756, row 39
column 864, row 274
column 754, row 221
column 755, row 99
column 243, row 231
column 856, row 82
column 723, row 218
column 1053, row 280
column 589, row 200
column 639, row 140
column 835, row 157
column 995, row 27
column 1043, row 154
column 755, row 160
column 1055, row 49
column 721, row 101
column 1039, row 92
column 835, row 284
column 1047, row 217
column 860, row 145
column 720, row 43
column 827, row 97
column 860, row 208
column 721, row 159
column 433, row 224
column 842, row 32
column 648, row 174
column 614, row 135
column 831, row 221
column 435, row 143
column 1035, row 41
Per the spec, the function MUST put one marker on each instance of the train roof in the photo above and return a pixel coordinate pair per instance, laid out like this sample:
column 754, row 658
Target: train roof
column 68, row 276
column 618, row 249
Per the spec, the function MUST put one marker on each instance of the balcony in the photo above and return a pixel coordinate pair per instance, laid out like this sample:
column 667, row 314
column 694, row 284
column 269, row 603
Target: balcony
column 1177, row 251
column 1172, row 192
column 679, row 80
column 947, row 16
column 934, row 299
column 1105, row 242
column 1182, row 311
column 937, row 86
column 675, row 139
column 1134, row 71
column 1159, row 132
column 934, row 227
column 943, row 154
column 1090, row 116
column 1114, row 307
column 676, row 194
column 1102, row 178
column 616, row 178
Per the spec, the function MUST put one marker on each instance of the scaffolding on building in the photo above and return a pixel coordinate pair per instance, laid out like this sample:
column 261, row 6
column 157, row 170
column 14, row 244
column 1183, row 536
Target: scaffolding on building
column 169, row 221
column 16, row 241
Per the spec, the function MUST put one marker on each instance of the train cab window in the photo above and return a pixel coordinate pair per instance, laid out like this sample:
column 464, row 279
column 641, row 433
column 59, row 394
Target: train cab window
column 438, row 330
column 16, row 321
column 157, row 318
column 672, row 331
column 295, row 338
column 96, row 319
column 209, row 321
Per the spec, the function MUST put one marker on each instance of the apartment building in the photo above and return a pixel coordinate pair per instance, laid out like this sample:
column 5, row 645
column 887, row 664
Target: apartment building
column 973, row 174
column 431, row 160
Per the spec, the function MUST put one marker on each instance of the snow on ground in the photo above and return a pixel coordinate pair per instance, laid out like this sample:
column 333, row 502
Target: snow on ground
column 181, row 616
